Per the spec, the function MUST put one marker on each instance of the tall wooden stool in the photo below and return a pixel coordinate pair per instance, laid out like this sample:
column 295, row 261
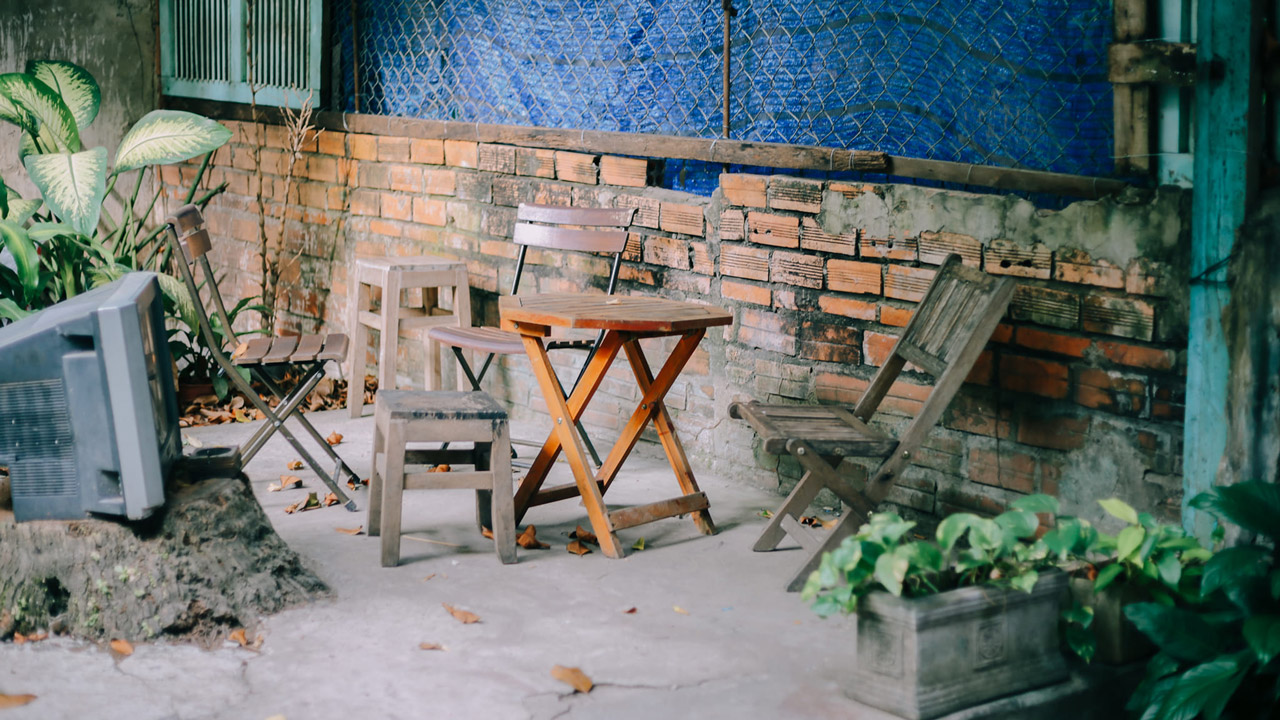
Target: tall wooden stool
column 394, row 275
column 413, row 416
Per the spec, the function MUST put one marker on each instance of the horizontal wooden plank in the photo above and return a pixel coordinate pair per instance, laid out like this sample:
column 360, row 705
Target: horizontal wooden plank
column 808, row 539
column 641, row 514
column 1152, row 61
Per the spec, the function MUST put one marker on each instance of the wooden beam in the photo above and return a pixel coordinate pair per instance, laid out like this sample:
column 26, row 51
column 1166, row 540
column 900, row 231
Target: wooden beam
column 1155, row 61
column 1132, row 105
column 641, row 514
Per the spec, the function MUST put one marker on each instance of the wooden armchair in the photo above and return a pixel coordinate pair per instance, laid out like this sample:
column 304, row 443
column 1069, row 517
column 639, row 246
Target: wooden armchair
column 944, row 338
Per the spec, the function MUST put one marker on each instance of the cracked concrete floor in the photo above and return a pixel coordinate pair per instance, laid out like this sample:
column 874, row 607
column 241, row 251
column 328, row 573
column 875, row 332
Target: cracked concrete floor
column 744, row 649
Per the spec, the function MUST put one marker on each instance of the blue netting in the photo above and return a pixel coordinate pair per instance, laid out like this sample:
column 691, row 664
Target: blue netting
column 1018, row 83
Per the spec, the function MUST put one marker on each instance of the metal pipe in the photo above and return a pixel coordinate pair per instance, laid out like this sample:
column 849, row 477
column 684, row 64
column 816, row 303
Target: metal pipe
column 729, row 12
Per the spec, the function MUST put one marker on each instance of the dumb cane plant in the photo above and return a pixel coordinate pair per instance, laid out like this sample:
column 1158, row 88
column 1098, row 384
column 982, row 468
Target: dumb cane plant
column 63, row 242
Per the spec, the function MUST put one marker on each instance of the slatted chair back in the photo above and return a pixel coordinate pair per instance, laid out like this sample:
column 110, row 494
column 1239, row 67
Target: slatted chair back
column 195, row 243
column 598, row 230
column 944, row 338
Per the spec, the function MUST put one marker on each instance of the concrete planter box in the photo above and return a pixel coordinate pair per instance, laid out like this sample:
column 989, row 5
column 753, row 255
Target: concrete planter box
column 1119, row 641
column 925, row 657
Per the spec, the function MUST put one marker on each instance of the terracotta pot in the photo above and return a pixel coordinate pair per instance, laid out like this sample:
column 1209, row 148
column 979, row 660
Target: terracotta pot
column 189, row 391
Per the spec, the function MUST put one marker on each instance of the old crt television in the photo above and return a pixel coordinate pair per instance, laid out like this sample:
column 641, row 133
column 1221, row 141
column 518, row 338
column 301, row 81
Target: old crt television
column 88, row 412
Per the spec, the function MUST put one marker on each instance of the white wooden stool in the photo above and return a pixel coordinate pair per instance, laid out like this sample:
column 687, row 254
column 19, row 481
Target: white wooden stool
column 414, row 416
column 395, row 275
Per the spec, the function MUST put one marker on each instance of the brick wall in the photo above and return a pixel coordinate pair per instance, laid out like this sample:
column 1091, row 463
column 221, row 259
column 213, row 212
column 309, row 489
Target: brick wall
column 1079, row 393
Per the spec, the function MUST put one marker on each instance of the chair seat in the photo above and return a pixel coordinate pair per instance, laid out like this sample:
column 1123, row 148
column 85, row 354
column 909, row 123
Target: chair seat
column 828, row 429
column 291, row 349
column 484, row 339
column 438, row 405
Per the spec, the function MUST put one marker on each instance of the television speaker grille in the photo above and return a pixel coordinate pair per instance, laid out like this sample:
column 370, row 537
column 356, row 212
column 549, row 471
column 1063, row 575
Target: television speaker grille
column 35, row 438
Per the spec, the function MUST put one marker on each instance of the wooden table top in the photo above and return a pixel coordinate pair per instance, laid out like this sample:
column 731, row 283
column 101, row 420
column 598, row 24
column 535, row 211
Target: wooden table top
column 627, row 313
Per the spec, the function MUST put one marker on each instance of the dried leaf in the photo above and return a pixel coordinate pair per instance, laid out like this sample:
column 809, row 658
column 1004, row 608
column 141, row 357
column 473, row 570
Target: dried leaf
column 440, row 468
column 20, row 639
column 629, row 611
column 259, row 415
column 679, row 609
column 13, row 701
column 331, row 499
column 292, row 509
column 810, row 521
column 428, row 577
column 239, row 636
column 486, row 532
column 828, row 524
column 573, row 677
column 287, row 482
column 241, row 416
column 311, row 503
column 122, row 647
column 334, row 438
column 765, row 513
column 351, row 531
column 462, row 616
column 584, row 535
column 240, row 350
column 577, row 548
column 295, row 465
column 638, row 545
column 529, row 539
column 431, row 646
column 192, row 441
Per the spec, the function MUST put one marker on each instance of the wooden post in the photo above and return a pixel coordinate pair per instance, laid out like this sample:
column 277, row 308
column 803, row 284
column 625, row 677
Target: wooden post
column 1226, row 164
column 1132, row 102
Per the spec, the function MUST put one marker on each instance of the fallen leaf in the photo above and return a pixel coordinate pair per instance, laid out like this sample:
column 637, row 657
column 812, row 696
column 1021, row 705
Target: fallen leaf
column 241, row 416
column 573, row 677
column 259, row 415
column 351, row 531
column 20, row 639
column 638, row 545
column 192, row 441
column 287, row 482
column 428, row 577
column 292, row 509
column 828, row 524
column 486, row 532
column 765, row 513
column 237, row 402
column 584, row 535
column 311, row 503
column 295, row 465
column 440, row 468
column 239, row 351
column 122, row 647
column 431, row 646
column 629, row 611
column 239, row 636
column 810, row 521
column 577, row 548
column 331, row 499
column 679, row 609
column 12, row 701
column 334, row 438
column 612, row 302
column 462, row 616
column 529, row 539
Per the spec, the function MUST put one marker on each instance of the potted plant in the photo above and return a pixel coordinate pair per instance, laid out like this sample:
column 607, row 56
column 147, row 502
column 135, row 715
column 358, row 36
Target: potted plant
column 951, row 622
column 1218, row 652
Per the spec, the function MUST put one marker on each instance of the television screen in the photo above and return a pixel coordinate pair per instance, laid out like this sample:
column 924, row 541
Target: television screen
column 88, row 413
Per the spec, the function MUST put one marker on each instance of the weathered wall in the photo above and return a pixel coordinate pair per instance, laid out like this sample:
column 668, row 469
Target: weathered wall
column 1079, row 395
column 113, row 39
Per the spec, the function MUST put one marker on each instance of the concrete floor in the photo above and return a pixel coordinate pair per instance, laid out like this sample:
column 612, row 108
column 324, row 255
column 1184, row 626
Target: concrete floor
column 742, row 648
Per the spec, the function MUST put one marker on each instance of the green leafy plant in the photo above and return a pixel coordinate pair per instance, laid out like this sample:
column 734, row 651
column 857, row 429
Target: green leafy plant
column 1218, row 654
column 967, row 550
column 63, row 242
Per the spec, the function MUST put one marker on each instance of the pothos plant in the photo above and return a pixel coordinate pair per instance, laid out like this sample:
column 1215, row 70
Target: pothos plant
column 967, row 550
column 63, row 242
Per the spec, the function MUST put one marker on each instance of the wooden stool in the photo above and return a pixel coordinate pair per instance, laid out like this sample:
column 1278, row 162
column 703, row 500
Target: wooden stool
column 393, row 275
column 413, row 416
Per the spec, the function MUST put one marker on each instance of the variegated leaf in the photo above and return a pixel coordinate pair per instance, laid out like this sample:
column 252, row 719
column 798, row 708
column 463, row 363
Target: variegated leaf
column 26, row 259
column 168, row 136
column 176, row 291
column 74, row 85
column 12, row 113
column 40, row 101
column 15, row 209
column 73, row 185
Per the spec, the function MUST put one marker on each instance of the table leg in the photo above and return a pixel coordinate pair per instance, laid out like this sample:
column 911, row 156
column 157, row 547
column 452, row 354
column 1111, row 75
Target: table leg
column 666, row 429
column 572, row 445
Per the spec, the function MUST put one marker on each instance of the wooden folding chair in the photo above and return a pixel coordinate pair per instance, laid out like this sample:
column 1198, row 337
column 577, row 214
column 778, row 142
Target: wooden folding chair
column 944, row 338
column 265, row 358
column 552, row 227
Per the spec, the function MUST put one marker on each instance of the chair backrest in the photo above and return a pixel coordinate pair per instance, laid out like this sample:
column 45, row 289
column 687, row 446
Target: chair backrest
column 553, row 227
column 944, row 338
column 190, row 242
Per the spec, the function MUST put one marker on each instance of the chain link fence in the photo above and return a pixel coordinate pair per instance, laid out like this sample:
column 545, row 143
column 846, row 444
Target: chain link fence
column 1016, row 83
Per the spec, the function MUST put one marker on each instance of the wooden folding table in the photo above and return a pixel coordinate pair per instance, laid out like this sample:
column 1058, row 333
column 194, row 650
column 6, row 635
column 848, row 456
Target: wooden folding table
column 625, row 321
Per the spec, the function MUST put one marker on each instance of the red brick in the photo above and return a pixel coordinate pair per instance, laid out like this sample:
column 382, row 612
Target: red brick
column 854, row 190
column 393, row 149
column 397, row 207
column 1137, row 355
column 648, row 209
column 936, row 246
column 1112, row 391
column 439, row 182
column 426, row 151
column 744, row 261
column 1030, row 375
column 461, row 153
column 890, row 248
column 1009, row 257
column 635, row 274
column 847, row 307
column 536, row 162
column 786, row 193
column 1034, row 339
column 702, row 262
column 982, row 370
column 548, row 193
column 776, row 230
column 332, row 143
column 767, row 331
column 1057, row 432
column 1150, row 277
column 978, row 415
column 363, row 147
column 429, row 211
column 797, row 269
column 1077, row 266
column 365, row 202
column 877, row 347
column 685, row 219
column 1045, row 306
column 813, row 237
column 895, row 316
column 496, row 158
column 907, row 283
column 829, row 342
column 320, row 168
column 384, row 228
column 627, row 172
column 844, row 389
column 406, row 178
column 670, row 252
column 746, row 292
column 744, row 190
column 1011, row 471
column 733, row 224
column 576, row 167
column 854, row 277
column 1122, row 316
column 374, row 175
